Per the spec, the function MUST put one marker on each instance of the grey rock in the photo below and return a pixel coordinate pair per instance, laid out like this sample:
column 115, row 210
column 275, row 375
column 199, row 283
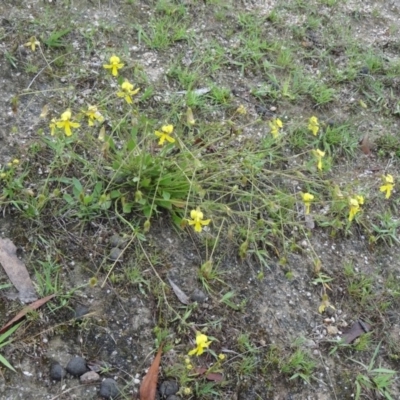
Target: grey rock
column 80, row 311
column 109, row 388
column 173, row 397
column 168, row 387
column 115, row 254
column 198, row 296
column 57, row 372
column 89, row 377
column 117, row 241
column 77, row 366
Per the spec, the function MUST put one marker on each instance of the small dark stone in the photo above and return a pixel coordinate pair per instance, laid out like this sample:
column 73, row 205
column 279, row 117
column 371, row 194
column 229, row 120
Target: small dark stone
column 80, row 311
column 330, row 311
column 363, row 71
column 57, row 372
column 109, row 388
column 263, row 111
column 198, row 296
column 77, row 366
column 168, row 387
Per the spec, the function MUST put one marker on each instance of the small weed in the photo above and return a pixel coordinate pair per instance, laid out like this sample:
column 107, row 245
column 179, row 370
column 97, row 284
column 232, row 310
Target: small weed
column 322, row 94
column 48, row 277
column 374, row 380
column 55, row 38
column 164, row 31
column 299, row 364
column 387, row 228
column 359, row 286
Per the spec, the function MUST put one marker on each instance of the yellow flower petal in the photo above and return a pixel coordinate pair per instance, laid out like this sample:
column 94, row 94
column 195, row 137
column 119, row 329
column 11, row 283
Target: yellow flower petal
column 168, row 129
column 313, row 125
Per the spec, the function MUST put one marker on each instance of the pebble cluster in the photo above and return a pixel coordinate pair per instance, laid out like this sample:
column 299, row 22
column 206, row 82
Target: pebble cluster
column 77, row 367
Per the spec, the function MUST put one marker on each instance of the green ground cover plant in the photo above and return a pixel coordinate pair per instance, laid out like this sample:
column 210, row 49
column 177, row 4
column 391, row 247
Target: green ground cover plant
column 252, row 168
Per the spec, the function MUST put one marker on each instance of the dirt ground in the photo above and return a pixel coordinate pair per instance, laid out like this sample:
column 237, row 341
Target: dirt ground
column 275, row 309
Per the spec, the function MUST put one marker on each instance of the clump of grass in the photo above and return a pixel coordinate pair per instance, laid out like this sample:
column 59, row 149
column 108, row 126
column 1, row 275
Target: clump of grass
column 298, row 363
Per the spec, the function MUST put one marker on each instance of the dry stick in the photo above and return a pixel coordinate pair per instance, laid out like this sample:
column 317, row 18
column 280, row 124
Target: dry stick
column 115, row 262
column 70, row 389
column 47, row 66
column 154, row 270
column 162, row 286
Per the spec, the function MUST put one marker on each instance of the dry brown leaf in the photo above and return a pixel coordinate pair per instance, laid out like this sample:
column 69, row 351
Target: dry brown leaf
column 356, row 330
column 23, row 312
column 212, row 376
column 179, row 293
column 16, row 271
column 148, row 388
column 365, row 145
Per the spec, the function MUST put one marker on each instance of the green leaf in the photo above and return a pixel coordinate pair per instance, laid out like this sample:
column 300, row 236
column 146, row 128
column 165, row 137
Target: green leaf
column 147, row 211
column 145, row 182
column 54, row 40
column 6, row 363
column 87, row 200
column 165, row 204
column 98, row 187
column 115, row 194
column 127, row 208
column 131, row 144
column 8, row 333
column 68, row 198
column 77, row 185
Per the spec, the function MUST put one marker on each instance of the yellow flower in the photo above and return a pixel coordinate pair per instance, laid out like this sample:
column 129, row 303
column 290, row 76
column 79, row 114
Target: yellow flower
column 307, row 199
column 115, row 65
column 241, row 110
column 202, row 343
column 197, row 220
column 93, row 115
column 221, row 356
column 165, row 134
column 15, row 161
column 325, row 304
column 319, row 154
column 186, row 391
column 275, row 125
column 52, row 126
column 32, row 43
column 388, row 185
column 354, row 204
column 127, row 91
column 313, row 125
column 66, row 123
